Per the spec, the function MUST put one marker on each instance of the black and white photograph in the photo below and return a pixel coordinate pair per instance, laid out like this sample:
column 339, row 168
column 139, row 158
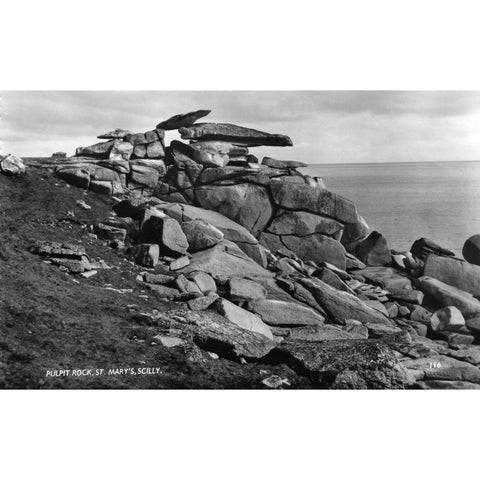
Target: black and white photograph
column 239, row 240
column 276, row 240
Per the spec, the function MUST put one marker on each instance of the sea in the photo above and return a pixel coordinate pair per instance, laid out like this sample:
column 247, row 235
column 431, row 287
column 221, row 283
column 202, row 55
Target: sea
column 407, row 201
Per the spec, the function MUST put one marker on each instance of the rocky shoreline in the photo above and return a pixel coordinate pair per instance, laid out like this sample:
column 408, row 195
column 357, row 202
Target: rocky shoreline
column 266, row 265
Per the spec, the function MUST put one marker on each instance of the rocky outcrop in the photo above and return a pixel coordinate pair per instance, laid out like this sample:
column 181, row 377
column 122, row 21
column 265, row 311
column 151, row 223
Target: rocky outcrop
column 278, row 206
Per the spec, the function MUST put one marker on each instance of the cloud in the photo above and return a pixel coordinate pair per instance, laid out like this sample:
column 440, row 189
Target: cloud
column 340, row 126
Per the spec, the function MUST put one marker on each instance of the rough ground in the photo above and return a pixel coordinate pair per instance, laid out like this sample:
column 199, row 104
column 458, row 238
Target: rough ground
column 50, row 322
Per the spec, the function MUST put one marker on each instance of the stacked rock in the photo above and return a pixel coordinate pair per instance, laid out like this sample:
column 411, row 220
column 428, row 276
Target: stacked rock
column 277, row 205
column 127, row 160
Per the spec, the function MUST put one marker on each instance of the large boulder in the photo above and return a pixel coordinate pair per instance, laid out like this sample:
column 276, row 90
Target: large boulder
column 342, row 306
column 294, row 196
column 448, row 318
column 12, row 165
column 249, row 205
column 448, row 296
column 233, row 133
column 454, row 271
column 201, row 235
column 225, row 260
column 302, row 224
column 167, row 232
column 346, row 364
column 182, row 120
column 232, row 230
column 471, row 249
column 285, row 314
column 243, row 318
column 374, row 251
column 356, row 231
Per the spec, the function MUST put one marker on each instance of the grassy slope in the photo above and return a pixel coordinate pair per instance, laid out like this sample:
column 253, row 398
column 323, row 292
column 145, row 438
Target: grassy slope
column 47, row 321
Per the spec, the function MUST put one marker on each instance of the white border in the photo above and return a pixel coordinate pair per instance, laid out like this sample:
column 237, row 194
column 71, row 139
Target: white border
column 245, row 45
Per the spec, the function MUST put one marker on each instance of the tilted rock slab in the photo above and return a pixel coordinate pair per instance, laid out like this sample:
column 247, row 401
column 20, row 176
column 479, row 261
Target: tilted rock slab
column 233, row 133
column 243, row 318
column 448, row 295
column 453, row 271
column 225, row 260
column 182, row 120
column 342, row 306
column 215, row 333
column 279, row 313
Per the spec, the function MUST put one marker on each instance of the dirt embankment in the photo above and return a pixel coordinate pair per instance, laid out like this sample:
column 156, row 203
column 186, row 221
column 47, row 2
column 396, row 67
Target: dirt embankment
column 52, row 320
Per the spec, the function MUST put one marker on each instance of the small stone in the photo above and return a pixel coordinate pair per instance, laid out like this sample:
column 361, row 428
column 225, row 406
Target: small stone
column 187, row 286
column 274, row 381
column 146, row 254
column 89, row 274
column 83, row 205
column 157, row 278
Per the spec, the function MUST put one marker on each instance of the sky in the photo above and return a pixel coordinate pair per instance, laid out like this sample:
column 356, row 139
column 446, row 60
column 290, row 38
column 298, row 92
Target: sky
column 325, row 126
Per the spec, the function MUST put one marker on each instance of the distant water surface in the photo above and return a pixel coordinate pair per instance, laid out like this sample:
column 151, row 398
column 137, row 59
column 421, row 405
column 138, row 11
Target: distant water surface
column 406, row 201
